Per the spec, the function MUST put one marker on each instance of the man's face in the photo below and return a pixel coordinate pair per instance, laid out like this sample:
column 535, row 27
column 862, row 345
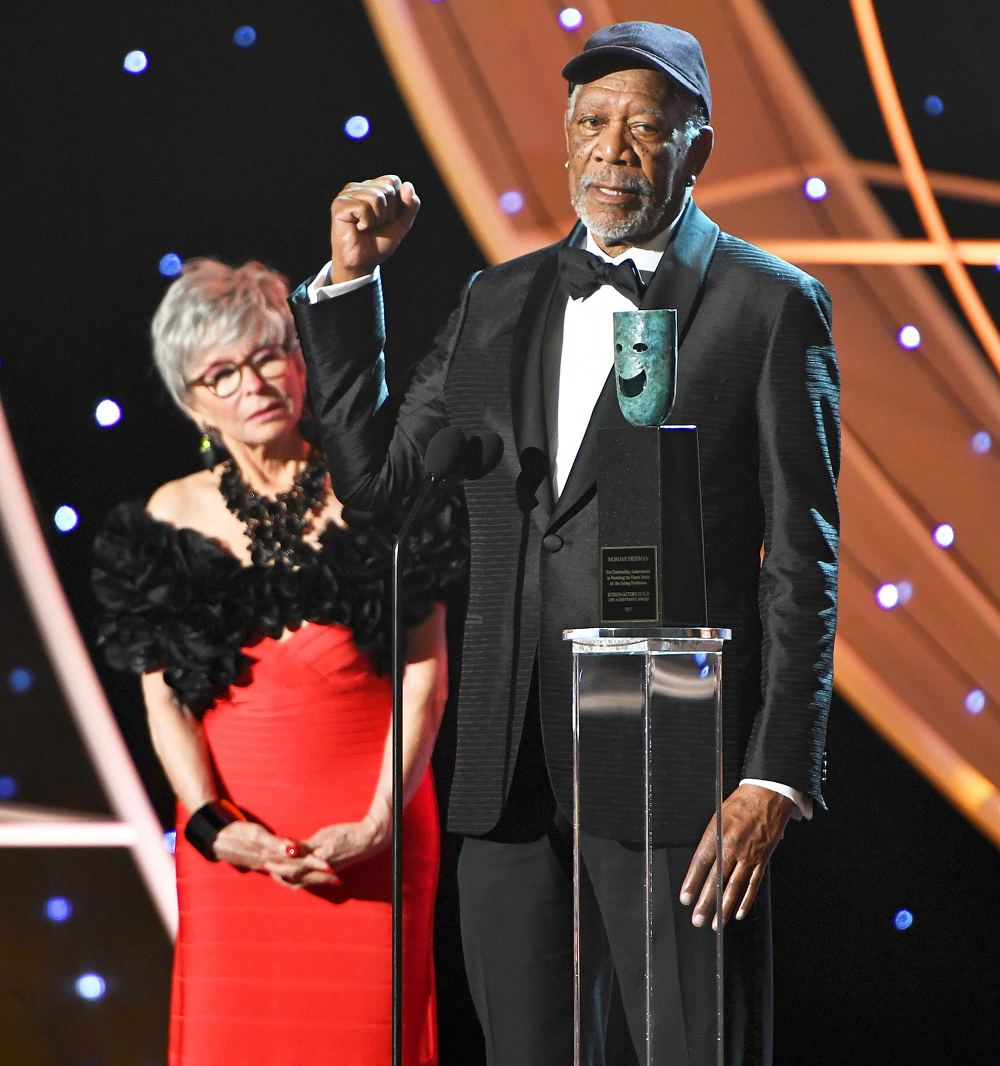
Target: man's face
column 629, row 160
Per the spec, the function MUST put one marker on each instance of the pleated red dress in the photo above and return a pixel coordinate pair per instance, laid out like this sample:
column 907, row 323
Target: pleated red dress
column 270, row 976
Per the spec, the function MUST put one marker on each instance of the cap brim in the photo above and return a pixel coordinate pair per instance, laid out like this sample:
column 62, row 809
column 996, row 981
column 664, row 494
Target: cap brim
column 595, row 63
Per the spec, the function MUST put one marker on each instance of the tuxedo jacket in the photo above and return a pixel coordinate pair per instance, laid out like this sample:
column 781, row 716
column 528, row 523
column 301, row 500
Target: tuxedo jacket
column 757, row 375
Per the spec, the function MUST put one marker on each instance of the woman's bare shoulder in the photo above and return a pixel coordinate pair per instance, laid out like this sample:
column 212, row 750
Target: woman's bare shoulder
column 179, row 502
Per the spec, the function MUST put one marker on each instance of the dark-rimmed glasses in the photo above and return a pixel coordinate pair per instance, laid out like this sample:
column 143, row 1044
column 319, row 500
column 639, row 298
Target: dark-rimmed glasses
column 225, row 379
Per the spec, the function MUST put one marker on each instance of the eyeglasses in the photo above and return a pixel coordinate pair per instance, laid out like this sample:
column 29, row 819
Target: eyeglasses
column 227, row 378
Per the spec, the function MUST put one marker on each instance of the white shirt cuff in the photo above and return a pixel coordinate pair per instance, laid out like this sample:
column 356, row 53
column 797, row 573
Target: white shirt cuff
column 320, row 288
column 803, row 803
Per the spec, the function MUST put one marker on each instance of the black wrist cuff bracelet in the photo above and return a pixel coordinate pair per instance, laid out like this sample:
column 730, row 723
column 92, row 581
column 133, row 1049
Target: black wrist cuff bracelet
column 207, row 821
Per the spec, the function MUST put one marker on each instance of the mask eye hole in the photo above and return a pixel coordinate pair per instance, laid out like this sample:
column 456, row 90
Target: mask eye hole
column 618, row 347
column 640, row 347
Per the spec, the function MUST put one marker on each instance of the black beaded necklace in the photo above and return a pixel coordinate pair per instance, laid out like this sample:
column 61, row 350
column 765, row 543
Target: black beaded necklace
column 275, row 526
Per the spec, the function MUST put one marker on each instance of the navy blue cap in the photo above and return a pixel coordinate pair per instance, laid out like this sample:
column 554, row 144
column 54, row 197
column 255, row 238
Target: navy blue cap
column 673, row 52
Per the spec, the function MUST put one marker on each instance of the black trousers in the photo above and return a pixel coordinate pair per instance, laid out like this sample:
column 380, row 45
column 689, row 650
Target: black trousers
column 516, row 904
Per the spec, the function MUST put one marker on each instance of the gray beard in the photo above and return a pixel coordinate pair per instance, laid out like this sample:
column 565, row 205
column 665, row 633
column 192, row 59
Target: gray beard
column 641, row 224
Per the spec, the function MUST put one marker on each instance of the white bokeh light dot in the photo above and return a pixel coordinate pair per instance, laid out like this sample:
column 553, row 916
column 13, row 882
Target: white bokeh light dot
column 136, row 62
column 65, row 518
column 107, row 413
column 91, row 986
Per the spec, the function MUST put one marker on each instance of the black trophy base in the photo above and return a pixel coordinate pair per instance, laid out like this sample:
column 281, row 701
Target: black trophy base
column 651, row 549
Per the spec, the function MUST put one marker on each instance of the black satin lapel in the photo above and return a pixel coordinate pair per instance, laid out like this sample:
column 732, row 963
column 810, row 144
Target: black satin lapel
column 681, row 273
column 583, row 475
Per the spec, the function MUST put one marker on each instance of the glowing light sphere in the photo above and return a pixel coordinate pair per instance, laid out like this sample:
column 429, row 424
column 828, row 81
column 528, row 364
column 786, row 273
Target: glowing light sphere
column 107, row 413
column 511, row 202
column 65, row 518
column 975, row 701
column 58, row 909
column 245, row 37
column 903, row 919
column 981, row 442
column 944, row 535
column 135, row 62
column 8, row 788
column 815, row 189
column 571, row 18
column 887, row 596
column 908, row 337
column 933, row 105
column 20, row 680
column 170, row 840
column 90, row 986
column 905, row 590
column 357, row 127
column 171, row 265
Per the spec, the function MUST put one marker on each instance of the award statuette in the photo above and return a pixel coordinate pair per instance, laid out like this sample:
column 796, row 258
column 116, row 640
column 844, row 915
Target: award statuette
column 652, row 558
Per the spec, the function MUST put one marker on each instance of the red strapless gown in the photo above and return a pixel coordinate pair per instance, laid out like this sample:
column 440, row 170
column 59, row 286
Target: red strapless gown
column 266, row 975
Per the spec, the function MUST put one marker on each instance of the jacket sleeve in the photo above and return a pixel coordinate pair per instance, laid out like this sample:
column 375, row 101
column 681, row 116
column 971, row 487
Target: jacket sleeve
column 799, row 459
column 375, row 454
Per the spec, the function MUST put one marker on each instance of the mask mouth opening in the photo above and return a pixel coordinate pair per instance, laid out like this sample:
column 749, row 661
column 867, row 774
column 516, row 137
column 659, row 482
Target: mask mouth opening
column 632, row 387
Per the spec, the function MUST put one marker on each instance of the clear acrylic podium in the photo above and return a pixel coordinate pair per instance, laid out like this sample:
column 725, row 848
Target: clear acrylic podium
column 647, row 778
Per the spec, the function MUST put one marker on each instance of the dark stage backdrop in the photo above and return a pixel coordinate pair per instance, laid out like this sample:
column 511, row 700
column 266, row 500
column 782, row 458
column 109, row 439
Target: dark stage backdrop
column 236, row 151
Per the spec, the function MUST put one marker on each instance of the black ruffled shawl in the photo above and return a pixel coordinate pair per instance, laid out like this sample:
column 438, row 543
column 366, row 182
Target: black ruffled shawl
column 174, row 599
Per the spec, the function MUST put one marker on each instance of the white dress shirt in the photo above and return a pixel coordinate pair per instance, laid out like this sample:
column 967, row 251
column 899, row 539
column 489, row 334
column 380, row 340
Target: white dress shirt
column 587, row 359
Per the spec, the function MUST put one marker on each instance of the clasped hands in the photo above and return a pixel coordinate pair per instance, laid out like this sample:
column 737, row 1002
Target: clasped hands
column 251, row 846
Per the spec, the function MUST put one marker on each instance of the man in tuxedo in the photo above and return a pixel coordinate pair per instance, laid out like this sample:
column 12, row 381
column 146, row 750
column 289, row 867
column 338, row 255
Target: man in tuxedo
column 528, row 354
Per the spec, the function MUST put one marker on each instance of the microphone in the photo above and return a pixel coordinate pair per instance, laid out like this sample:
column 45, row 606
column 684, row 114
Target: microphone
column 483, row 455
column 446, row 453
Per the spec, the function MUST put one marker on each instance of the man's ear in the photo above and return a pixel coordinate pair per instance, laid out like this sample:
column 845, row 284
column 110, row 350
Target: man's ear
column 700, row 150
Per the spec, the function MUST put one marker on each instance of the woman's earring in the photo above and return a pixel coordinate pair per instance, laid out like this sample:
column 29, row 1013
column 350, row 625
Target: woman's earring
column 212, row 450
column 691, row 180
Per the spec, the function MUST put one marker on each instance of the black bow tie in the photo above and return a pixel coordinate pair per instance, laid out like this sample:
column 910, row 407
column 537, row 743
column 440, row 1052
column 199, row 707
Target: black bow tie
column 583, row 273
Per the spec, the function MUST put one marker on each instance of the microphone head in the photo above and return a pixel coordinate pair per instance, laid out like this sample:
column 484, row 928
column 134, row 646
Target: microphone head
column 445, row 453
column 484, row 454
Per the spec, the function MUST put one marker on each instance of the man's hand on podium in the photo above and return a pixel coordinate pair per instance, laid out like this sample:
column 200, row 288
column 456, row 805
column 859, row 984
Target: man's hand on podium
column 753, row 822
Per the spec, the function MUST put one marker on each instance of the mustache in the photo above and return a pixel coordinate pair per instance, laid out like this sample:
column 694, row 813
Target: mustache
column 633, row 183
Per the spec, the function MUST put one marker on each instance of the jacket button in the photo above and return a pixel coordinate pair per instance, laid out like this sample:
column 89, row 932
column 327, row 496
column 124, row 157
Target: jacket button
column 552, row 542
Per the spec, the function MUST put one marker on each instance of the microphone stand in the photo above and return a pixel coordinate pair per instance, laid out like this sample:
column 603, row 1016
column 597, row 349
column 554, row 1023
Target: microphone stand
column 397, row 773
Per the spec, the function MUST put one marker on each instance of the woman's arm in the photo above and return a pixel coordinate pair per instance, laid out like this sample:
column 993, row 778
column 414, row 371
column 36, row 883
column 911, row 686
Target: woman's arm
column 180, row 744
column 425, row 690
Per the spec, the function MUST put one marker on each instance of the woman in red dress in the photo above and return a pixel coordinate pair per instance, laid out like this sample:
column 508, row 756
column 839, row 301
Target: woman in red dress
column 257, row 619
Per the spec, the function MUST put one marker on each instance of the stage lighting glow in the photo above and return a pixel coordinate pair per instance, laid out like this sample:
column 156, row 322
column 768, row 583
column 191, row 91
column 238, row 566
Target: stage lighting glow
column 135, row 62
column 815, row 189
column 58, row 909
column 245, row 36
column 20, row 679
column 981, row 442
column 570, row 18
column 975, row 701
column 357, row 127
column 908, row 337
column 90, row 986
column 8, row 788
column 511, row 202
column 933, row 105
column 903, row 919
column 170, row 840
column 887, row 596
column 944, row 535
column 65, row 518
column 107, row 413
column 171, row 265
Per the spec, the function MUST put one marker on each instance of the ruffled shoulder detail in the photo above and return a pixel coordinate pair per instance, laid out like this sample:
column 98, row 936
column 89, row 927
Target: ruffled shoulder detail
column 175, row 600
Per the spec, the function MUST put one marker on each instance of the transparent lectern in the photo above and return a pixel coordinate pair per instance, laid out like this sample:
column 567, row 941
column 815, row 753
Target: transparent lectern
column 647, row 778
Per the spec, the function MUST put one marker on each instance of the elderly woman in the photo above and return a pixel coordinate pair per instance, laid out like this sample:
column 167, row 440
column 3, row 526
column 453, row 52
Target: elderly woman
column 257, row 619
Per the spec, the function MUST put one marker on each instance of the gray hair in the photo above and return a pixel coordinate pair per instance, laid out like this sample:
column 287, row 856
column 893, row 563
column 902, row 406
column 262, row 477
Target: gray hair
column 695, row 119
column 212, row 305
